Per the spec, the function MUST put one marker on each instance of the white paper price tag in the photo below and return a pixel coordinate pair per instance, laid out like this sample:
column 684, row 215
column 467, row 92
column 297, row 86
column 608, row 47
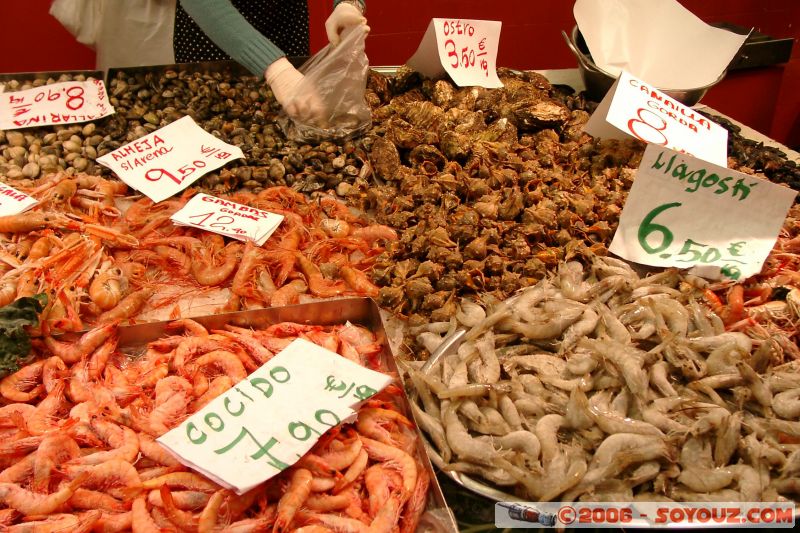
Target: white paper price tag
column 269, row 420
column 633, row 108
column 228, row 218
column 13, row 202
column 684, row 212
column 465, row 49
column 170, row 159
column 67, row 102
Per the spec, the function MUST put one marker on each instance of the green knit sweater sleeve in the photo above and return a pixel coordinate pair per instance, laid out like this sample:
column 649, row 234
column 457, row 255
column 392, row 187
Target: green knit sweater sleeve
column 229, row 30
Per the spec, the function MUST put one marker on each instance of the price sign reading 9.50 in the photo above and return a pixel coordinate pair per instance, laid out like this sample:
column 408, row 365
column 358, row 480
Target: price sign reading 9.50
column 468, row 50
column 170, row 159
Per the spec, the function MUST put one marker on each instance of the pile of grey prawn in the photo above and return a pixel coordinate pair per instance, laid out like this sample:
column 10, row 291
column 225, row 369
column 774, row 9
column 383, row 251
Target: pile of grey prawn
column 597, row 384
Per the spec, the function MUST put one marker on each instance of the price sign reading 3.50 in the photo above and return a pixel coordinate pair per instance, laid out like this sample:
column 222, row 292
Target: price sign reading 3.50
column 464, row 49
column 684, row 212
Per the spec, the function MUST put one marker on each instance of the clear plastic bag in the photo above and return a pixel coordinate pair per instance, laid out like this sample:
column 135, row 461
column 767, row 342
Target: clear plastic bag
column 336, row 81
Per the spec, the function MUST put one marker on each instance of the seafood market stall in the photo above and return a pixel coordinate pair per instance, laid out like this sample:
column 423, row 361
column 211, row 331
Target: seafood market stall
column 459, row 249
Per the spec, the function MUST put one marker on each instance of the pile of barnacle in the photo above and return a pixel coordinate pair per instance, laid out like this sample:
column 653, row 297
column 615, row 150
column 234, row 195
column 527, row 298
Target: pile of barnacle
column 489, row 188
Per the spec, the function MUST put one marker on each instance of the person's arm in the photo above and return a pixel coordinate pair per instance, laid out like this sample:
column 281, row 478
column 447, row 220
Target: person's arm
column 229, row 30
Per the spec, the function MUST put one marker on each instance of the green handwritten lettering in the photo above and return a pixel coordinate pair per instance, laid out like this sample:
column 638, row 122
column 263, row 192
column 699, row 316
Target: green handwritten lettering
column 680, row 171
column 279, row 370
column 695, row 178
column 710, row 180
column 218, row 422
column 322, row 412
column 741, row 188
column 191, row 428
column 302, row 431
column 722, row 186
column 255, row 382
column 227, row 403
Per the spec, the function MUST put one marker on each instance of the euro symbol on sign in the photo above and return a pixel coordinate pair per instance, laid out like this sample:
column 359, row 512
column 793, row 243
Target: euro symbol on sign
column 733, row 248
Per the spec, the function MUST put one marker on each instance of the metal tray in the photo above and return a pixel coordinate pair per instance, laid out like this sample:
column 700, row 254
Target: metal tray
column 361, row 311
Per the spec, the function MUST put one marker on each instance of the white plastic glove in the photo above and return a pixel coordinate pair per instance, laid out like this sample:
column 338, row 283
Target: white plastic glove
column 285, row 81
column 345, row 15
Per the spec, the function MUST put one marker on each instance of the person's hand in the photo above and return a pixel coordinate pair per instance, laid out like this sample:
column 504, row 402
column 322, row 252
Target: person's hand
column 300, row 102
column 345, row 15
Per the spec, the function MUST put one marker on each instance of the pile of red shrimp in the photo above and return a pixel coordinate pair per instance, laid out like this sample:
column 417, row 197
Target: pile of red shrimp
column 78, row 451
column 99, row 264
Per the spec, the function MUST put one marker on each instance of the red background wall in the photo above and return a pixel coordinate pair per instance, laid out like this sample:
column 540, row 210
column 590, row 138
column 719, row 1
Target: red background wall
column 765, row 99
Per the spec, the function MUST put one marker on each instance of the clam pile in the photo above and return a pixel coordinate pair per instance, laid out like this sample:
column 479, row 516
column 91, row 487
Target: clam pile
column 34, row 152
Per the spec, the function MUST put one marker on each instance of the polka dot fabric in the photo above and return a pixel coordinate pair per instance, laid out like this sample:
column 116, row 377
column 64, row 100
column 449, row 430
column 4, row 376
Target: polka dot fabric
column 284, row 22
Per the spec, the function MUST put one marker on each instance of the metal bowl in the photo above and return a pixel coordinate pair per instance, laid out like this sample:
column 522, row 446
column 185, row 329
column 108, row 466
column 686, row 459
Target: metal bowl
column 598, row 81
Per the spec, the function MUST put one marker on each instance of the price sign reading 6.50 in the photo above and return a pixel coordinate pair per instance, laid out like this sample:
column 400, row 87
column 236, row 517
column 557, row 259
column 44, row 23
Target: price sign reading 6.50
column 465, row 49
column 686, row 213
column 170, row 159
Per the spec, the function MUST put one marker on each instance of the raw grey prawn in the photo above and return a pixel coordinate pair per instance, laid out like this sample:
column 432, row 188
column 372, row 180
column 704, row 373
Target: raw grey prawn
column 604, row 376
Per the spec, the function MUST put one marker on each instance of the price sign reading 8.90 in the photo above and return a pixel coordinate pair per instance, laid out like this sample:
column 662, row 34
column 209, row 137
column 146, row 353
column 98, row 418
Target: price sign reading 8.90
column 468, row 50
column 58, row 103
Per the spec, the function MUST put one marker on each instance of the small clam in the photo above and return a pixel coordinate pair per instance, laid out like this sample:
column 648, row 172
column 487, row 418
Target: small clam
column 80, row 163
column 31, row 170
column 72, row 146
column 14, row 173
column 276, row 170
column 15, row 138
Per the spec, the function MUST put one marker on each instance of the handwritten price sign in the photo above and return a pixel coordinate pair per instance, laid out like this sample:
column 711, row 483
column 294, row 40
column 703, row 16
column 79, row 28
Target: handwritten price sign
column 464, row 49
column 269, row 420
column 228, row 218
column 13, row 201
column 170, row 159
column 633, row 108
column 67, row 102
column 683, row 212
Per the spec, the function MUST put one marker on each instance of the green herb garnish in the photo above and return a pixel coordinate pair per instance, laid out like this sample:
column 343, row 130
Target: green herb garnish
column 15, row 343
